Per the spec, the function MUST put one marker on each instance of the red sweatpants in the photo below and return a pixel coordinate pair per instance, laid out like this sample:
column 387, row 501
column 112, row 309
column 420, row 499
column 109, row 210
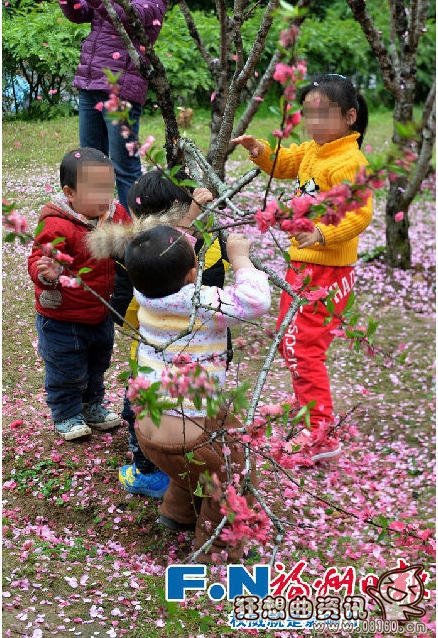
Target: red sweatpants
column 307, row 339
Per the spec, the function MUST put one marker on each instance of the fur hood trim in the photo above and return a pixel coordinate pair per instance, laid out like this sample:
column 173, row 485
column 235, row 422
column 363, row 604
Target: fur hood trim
column 110, row 240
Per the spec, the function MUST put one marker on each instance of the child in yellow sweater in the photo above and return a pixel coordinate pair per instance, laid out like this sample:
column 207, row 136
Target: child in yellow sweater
column 336, row 117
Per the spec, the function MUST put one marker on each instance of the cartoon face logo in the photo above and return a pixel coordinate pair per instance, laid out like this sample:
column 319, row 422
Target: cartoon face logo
column 398, row 593
column 308, row 188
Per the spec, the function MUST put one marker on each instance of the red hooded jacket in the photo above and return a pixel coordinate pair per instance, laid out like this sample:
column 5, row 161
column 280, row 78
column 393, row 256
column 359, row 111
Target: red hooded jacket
column 73, row 304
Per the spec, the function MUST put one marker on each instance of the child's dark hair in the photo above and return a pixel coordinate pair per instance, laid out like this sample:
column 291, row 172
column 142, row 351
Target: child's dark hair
column 72, row 161
column 154, row 193
column 158, row 260
column 339, row 89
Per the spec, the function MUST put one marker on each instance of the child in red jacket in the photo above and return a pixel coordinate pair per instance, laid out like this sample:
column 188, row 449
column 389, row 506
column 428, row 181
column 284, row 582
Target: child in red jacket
column 75, row 329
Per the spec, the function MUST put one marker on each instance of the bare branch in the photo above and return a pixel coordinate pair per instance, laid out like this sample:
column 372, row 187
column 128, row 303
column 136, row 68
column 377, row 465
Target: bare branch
column 156, row 73
column 426, row 149
column 374, row 37
column 258, row 46
column 256, row 99
column 209, row 60
column 419, row 11
column 219, row 149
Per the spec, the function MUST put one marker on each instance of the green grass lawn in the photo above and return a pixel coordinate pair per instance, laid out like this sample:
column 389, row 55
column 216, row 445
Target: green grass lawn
column 35, row 143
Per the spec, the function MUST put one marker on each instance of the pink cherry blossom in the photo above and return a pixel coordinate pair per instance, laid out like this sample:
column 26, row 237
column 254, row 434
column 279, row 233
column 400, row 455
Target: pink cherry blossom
column 267, row 217
column 398, row 217
column 315, row 295
column 301, row 205
column 99, row 106
column 132, row 148
column 69, row 282
column 16, row 221
column 146, row 146
column 283, row 72
column 295, row 226
column 116, row 55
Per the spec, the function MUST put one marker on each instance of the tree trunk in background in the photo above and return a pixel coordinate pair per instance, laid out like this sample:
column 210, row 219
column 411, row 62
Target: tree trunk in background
column 397, row 60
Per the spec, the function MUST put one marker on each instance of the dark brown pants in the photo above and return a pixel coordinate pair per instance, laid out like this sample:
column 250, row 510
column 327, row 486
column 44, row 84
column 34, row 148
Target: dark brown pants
column 179, row 502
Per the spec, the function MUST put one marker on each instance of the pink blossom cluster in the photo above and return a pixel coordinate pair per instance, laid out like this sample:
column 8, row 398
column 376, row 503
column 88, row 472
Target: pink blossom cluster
column 289, row 36
column 189, row 379
column 69, row 282
column 49, row 250
column 16, row 221
column 245, row 522
column 413, row 537
column 294, row 218
column 134, row 147
column 133, row 393
column 290, row 76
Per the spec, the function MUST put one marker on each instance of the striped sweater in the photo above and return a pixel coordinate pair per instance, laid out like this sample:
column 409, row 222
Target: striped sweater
column 163, row 318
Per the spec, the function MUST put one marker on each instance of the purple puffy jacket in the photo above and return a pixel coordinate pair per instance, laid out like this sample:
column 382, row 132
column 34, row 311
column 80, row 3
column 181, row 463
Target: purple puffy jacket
column 98, row 48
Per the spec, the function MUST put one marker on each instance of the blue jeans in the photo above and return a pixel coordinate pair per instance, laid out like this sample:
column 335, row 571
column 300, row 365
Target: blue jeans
column 76, row 355
column 97, row 131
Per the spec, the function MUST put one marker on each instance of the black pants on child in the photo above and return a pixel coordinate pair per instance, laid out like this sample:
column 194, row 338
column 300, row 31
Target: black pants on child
column 142, row 463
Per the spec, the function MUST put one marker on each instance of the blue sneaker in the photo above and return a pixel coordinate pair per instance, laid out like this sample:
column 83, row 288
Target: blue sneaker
column 134, row 482
column 97, row 416
column 72, row 428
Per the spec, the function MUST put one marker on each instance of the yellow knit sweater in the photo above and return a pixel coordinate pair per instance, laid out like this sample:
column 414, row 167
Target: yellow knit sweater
column 323, row 166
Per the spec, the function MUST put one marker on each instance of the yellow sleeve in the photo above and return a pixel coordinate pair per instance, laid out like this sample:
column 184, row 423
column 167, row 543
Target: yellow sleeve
column 354, row 222
column 288, row 159
column 213, row 254
column 131, row 314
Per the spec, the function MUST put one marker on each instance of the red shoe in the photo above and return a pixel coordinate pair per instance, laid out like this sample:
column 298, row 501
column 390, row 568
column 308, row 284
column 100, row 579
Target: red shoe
column 326, row 450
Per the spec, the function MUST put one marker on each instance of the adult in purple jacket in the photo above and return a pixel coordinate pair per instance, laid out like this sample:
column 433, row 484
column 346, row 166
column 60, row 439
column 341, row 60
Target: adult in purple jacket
column 103, row 48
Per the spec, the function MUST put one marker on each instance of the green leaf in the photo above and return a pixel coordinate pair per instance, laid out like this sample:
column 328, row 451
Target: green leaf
column 372, row 327
column 207, row 239
column 84, row 270
column 10, row 237
column 58, row 240
column 39, row 228
column 190, row 456
column 407, row 130
column 350, row 302
column 330, row 306
column 198, row 491
column 112, row 78
column 158, row 156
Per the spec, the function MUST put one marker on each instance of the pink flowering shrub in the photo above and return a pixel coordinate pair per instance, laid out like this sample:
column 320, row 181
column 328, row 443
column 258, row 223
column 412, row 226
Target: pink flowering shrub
column 189, row 379
column 245, row 523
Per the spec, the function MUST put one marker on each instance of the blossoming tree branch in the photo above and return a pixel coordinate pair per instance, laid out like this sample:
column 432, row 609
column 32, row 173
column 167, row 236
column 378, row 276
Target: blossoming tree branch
column 267, row 431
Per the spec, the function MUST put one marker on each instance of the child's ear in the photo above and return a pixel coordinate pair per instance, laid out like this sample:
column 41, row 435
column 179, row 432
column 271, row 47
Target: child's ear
column 351, row 116
column 190, row 278
column 68, row 192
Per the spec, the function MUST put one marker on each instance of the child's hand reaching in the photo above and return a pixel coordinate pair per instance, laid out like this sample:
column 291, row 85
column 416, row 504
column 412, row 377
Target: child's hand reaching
column 249, row 142
column 238, row 251
column 201, row 197
column 308, row 239
column 48, row 268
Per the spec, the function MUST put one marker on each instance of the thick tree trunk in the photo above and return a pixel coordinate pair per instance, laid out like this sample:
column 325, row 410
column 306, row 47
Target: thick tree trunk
column 397, row 60
column 398, row 247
